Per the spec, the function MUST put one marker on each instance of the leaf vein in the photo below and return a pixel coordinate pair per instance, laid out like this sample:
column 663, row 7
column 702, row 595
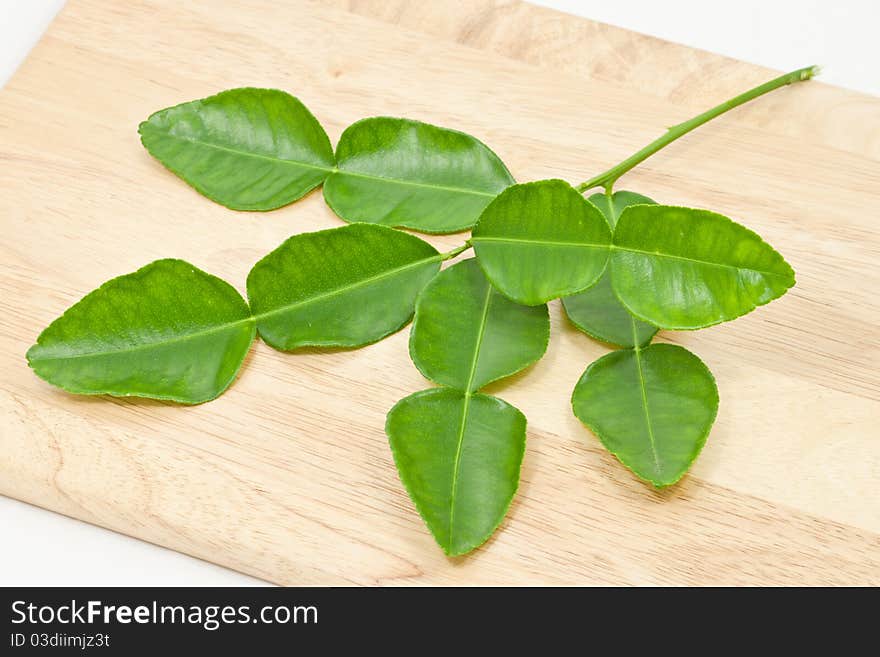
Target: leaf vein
column 147, row 345
column 514, row 240
column 221, row 327
column 481, row 331
column 251, row 154
column 346, row 288
column 638, row 353
column 699, row 262
column 413, row 183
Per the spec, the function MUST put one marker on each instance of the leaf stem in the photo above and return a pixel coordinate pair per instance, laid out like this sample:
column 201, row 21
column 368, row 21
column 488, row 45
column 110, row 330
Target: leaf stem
column 449, row 255
column 608, row 178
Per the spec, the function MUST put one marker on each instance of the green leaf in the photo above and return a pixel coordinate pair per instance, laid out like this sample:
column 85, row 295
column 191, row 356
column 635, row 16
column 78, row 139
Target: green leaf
column 247, row 149
column 619, row 202
column 167, row 331
column 410, row 174
column 466, row 334
column 597, row 311
column 541, row 240
column 680, row 268
column 343, row 287
column 459, row 457
column 652, row 408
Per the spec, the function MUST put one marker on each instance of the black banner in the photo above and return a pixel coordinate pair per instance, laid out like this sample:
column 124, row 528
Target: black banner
column 131, row 621
column 247, row 621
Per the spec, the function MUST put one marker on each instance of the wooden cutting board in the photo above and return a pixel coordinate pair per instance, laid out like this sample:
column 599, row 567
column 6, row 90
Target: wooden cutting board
column 288, row 476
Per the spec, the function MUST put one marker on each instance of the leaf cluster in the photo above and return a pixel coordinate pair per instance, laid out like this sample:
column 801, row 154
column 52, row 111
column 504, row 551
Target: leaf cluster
column 624, row 266
column 172, row 331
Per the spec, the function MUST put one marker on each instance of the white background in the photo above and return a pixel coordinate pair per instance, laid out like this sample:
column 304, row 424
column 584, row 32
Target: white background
column 39, row 548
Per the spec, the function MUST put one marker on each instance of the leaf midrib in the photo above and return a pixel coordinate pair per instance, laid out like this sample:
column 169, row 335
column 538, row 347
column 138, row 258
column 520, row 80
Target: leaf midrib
column 328, row 169
column 252, row 318
column 347, row 288
column 638, row 354
column 698, row 262
column 251, row 154
column 617, row 247
column 413, row 183
column 515, row 240
column 217, row 328
column 465, row 406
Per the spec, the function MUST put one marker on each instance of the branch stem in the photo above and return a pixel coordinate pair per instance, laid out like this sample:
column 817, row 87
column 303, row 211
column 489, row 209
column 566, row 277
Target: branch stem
column 608, row 178
column 449, row 255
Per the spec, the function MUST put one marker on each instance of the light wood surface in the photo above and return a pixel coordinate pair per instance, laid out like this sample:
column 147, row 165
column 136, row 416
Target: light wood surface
column 288, row 476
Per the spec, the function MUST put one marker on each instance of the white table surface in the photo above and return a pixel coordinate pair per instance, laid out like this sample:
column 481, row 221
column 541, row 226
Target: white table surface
column 40, row 548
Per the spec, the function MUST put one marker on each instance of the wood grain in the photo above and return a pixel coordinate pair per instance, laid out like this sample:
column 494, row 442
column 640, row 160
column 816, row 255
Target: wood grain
column 691, row 79
column 288, row 476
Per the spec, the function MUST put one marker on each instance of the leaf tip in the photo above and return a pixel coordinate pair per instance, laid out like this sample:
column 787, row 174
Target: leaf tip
column 30, row 354
column 142, row 129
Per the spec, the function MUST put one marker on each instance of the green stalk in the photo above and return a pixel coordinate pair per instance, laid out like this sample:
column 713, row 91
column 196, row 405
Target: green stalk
column 608, row 178
column 449, row 255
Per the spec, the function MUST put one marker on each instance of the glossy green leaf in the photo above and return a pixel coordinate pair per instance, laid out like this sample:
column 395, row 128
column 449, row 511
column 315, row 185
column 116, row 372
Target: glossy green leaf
column 343, row 287
column 459, row 457
column 466, row 334
column 541, row 240
column 167, row 331
column 399, row 172
column 652, row 408
column 247, row 149
column 597, row 311
column 619, row 202
column 680, row 268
